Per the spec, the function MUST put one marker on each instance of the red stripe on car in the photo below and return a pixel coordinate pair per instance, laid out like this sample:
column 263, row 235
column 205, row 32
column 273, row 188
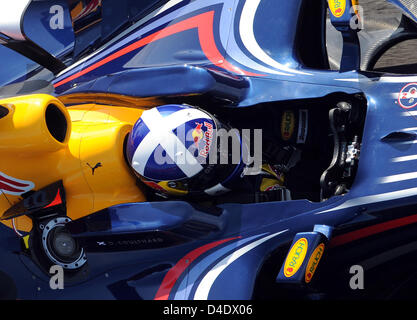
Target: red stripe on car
column 204, row 24
column 372, row 230
column 175, row 272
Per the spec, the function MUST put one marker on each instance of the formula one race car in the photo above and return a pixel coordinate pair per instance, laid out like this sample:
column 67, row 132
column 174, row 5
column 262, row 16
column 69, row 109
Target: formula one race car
column 104, row 90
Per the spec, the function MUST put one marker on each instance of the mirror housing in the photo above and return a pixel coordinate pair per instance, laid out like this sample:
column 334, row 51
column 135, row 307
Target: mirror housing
column 12, row 35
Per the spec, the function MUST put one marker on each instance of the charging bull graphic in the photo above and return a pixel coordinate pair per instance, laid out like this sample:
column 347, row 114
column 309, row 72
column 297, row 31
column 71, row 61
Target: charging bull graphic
column 198, row 133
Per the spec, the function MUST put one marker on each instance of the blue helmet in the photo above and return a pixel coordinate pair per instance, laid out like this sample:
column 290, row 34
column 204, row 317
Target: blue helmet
column 171, row 149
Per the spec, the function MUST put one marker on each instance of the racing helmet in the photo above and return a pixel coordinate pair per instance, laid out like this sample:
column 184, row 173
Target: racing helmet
column 173, row 149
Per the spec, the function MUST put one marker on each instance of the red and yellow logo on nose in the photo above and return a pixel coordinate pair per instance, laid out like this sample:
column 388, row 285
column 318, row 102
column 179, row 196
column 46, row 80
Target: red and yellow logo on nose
column 337, row 7
column 198, row 133
column 295, row 257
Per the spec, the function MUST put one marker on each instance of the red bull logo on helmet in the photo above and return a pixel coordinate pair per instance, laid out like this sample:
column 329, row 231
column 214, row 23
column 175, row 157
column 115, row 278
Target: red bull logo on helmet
column 206, row 136
column 208, row 139
column 198, row 134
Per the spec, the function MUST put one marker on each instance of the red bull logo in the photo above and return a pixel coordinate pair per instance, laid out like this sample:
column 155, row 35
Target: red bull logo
column 208, row 138
column 198, row 134
column 13, row 186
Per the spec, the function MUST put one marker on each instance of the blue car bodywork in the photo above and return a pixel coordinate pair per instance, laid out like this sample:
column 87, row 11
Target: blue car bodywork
column 243, row 54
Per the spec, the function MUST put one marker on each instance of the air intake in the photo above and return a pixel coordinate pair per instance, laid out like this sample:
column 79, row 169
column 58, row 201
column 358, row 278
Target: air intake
column 56, row 122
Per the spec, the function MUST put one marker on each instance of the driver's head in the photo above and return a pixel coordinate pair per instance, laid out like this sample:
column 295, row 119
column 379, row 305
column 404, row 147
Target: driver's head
column 173, row 149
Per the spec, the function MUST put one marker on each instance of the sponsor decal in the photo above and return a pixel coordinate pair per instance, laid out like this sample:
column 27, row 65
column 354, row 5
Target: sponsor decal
column 295, row 257
column 337, row 7
column 96, row 166
column 198, row 134
column 14, row 186
column 143, row 241
column 407, row 97
column 208, row 139
column 313, row 262
column 302, row 126
column 287, row 125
